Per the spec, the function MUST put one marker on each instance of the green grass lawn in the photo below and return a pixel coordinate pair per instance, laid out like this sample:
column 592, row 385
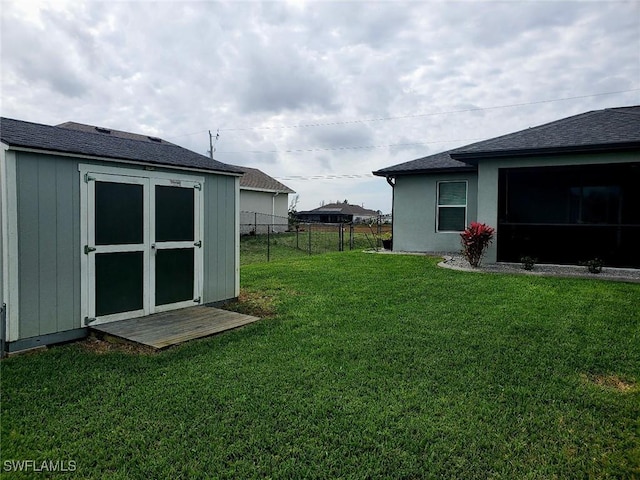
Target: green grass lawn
column 367, row 366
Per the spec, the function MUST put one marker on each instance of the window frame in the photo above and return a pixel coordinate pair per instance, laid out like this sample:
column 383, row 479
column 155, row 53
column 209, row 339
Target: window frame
column 439, row 206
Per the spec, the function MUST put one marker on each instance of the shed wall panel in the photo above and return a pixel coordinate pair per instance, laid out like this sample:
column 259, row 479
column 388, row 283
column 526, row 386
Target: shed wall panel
column 45, row 199
column 219, row 238
column 48, row 233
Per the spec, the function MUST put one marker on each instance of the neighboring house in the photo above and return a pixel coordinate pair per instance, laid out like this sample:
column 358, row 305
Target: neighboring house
column 564, row 192
column 338, row 213
column 99, row 226
column 263, row 202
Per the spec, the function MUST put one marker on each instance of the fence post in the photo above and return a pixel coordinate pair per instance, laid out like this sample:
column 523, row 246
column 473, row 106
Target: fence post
column 268, row 243
column 340, row 237
column 255, row 222
column 309, row 228
column 351, row 236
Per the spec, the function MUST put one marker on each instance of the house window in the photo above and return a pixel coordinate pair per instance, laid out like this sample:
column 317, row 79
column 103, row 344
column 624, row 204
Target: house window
column 452, row 206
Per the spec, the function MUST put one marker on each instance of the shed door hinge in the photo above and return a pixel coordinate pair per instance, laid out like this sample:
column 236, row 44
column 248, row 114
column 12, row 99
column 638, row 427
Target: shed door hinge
column 88, row 178
column 196, row 300
column 197, row 186
column 88, row 249
column 198, row 244
column 88, row 320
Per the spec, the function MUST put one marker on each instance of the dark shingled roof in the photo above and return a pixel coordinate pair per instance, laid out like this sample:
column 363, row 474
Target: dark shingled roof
column 257, row 180
column 611, row 129
column 599, row 130
column 110, row 131
column 17, row 133
column 343, row 208
column 440, row 162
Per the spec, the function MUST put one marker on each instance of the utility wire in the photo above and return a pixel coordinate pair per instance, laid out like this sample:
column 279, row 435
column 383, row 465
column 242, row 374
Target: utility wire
column 305, row 150
column 417, row 115
column 412, row 116
column 326, row 177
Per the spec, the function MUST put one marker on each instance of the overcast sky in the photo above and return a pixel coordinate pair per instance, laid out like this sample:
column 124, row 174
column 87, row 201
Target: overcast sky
column 331, row 90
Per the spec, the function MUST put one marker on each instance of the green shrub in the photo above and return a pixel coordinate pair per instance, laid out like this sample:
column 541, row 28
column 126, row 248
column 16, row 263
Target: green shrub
column 528, row 262
column 594, row 266
column 475, row 240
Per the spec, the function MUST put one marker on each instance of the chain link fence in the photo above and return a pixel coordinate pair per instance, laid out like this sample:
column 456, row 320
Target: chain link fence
column 266, row 238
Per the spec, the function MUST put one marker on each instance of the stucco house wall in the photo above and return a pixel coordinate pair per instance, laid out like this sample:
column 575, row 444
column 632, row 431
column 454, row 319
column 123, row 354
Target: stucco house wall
column 415, row 211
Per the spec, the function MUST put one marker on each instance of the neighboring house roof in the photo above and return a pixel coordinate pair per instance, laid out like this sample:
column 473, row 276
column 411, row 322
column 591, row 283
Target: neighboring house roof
column 254, row 179
column 611, row 129
column 342, row 208
column 17, row 133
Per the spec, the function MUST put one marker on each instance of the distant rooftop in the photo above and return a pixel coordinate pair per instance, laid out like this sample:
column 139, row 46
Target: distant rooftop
column 343, row 208
column 254, row 179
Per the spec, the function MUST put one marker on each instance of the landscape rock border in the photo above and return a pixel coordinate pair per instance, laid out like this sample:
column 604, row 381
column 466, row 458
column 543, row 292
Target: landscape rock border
column 457, row 262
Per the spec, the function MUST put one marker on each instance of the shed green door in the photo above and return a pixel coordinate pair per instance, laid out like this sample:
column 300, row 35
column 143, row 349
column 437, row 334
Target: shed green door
column 118, row 246
column 175, row 244
column 143, row 246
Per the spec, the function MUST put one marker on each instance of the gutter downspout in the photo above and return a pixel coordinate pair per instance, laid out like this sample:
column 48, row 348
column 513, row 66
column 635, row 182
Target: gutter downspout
column 392, row 181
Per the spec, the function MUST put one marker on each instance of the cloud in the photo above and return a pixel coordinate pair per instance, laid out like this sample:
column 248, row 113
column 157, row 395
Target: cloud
column 370, row 73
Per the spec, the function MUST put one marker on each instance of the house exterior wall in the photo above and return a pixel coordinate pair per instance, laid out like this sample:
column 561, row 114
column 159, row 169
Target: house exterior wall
column 488, row 181
column 271, row 209
column 415, row 211
column 49, row 245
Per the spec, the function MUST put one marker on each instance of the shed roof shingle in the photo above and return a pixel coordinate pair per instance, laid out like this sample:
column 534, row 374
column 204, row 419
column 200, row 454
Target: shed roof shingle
column 18, row 133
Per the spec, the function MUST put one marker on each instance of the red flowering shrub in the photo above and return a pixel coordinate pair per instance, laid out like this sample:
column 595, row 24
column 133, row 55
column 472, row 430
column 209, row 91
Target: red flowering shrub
column 475, row 240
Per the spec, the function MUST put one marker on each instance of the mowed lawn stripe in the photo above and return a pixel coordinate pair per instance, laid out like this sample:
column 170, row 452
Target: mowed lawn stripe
column 367, row 365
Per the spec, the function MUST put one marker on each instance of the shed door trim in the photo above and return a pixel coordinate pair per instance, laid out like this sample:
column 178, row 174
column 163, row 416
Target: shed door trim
column 89, row 174
column 10, row 270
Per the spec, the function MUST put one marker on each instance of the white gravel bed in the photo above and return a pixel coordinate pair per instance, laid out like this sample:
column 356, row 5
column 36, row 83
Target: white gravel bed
column 457, row 262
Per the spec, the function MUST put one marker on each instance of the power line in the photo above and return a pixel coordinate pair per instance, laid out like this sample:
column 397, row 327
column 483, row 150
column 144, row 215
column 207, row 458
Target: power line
column 326, row 177
column 318, row 149
column 345, row 122
column 417, row 115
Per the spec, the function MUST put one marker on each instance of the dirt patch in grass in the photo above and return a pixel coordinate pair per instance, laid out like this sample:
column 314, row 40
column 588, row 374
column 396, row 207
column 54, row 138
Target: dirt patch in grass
column 257, row 304
column 101, row 346
column 611, row 382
